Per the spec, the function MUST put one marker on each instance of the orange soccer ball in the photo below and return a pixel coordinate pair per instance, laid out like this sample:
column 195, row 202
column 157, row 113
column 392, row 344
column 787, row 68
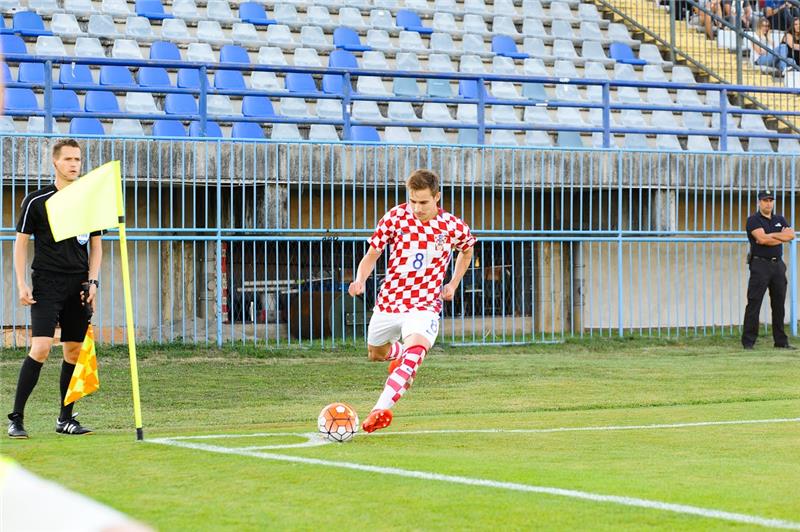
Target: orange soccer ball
column 338, row 422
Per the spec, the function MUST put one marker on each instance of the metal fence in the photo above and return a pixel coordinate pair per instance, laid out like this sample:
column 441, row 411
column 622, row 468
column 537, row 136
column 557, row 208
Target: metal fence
column 256, row 241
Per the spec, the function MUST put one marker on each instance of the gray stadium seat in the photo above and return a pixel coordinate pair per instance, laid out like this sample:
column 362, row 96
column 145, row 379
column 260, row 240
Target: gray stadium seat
column 127, row 127
column 271, row 55
column 323, row 132
column 211, row 32
column 364, row 110
column 374, row 60
column 411, row 41
column 313, row 36
column 538, row 139
column 432, row 135
column 698, row 143
column 126, row 49
column 295, row 107
column 66, row 25
column 50, row 45
column 88, row 47
column 329, row 109
column 141, row 103
column 200, row 52
column 219, row 104
column 285, row 132
column 307, row 57
column 186, row 10
column 220, row 10
column 379, row 40
column 504, row 25
column 475, row 24
column 668, row 142
column 397, row 135
column 115, row 8
column 79, row 7
column 103, row 26
column 139, row 29
column 436, row 112
column 401, row 111
column 280, row 35
column 175, row 30
column 503, row 137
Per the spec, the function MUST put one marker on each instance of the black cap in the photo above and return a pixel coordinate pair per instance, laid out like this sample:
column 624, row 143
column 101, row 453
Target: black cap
column 766, row 194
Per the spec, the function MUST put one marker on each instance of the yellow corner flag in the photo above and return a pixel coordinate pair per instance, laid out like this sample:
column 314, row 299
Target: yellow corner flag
column 85, row 378
column 89, row 204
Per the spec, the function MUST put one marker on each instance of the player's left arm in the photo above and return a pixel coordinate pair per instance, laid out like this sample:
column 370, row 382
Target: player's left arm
column 95, row 260
column 463, row 261
column 786, row 234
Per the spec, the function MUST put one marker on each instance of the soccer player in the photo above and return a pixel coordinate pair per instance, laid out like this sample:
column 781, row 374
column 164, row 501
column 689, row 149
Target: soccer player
column 56, row 297
column 422, row 237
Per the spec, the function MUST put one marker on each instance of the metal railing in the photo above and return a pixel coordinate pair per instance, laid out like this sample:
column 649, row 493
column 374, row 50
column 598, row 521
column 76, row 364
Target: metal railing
column 481, row 124
column 256, row 241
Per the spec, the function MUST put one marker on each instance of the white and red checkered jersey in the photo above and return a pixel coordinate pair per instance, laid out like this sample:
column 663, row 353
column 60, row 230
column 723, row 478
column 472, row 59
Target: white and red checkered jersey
column 420, row 253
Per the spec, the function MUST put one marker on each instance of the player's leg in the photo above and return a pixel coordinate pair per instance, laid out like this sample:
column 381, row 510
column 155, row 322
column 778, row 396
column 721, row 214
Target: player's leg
column 419, row 333
column 74, row 324
column 44, row 318
column 383, row 334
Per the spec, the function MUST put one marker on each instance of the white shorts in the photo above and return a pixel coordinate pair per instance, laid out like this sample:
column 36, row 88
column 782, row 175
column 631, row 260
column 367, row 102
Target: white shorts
column 386, row 328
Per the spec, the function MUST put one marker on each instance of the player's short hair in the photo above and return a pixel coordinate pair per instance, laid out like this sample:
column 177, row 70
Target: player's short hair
column 72, row 143
column 423, row 179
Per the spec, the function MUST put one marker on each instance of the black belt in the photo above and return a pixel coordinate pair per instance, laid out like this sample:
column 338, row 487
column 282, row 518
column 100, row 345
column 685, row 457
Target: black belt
column 770, row 259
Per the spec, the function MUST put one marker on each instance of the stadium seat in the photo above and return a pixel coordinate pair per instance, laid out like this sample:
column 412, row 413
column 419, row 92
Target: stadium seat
column 86, row 126
column 651, row 54
column 210, row 31
column 152, row 9
column 20, row 100
column 503, row 114
column 366, row 111
column 116, row 75
column 74, row 74
column 219, row 105
column 307, row 57
column 65, row 101
column 654, row 73
column 759, row 145
column 186, row 10
column 212, row 129
column 165, row 50
column 139, row 28
column 247, row 130
column 371, row 85
column 31, row 73
column 100, row 102
column 668, row 142
column 334, row 83
column 88, row 47
column 467, row 136
column 589, row 12
column 301, row 83
column 78, row 7
column 295, row 107
column 635, row 141
column 442, row 43
column 220, row 10
column 562, row 29
column 474, row 23
column 319, row 16
column 66, row 25
column 788, row 146
column 153, row 77
column 444, row 22
column 364, row 134
column 622, row 53
column 44, row 7
column 410, row 21
column 698, row 143
column 505, row 26
column 188, row 78
column 280, row 35
column 564, row 49
column 593, row 50
column 200, row 52
column 229, row 80
column 5, row 73
column 103, row 26
column 432, row 135
column 503, row 137
column 285, row 132
column 257, row 106
column 266, row 81
column 329, row 109
column 374, row 60
column 350, row 17
column 347, row 39
column 397, row 135
column 140, row 103
column 168, row 128
column 255, row 14
column 36, row 125
column 29, row 24
column 401, row 111
column 180, row 104
column 246, row 33
column 538, row 139
column 569, row 139
column 127, row 127
column 411, row 41
column 233, row 54
column 126, row 49
column 381, row 19
column 175, row 30
column 12, row 44
column 286, row 13
column 468, row 88
column 314, row 37
column 323, row 132
column 115, row 8
column 271, row 55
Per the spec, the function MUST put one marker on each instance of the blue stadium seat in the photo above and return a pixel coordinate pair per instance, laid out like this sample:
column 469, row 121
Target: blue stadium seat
column 255, row 14
column 188, row 78
column 168, row 128
column 410, row 21
column 229, row 79
column 152, row 9
column 347, row 39
column 116, row 75
column 100, row 102
column 5, row 73
column 247, row 130
column 86, row 126
column 153, row 77
column 65, row 100
column 405, row 87
column 3, row 27
column 28, row 23
column 212, row 129
column 534, row 91
column 365, row 134
column 12, row 44
column 230, row 53
column 31, row 73
column 180, row 104
column 505, row 45
column 76, row 75
column 623, row 54
column 165, row 50
column 259, row 106
column 298, row 82
column 468, row 88
column 20, row 100
column 334, row 83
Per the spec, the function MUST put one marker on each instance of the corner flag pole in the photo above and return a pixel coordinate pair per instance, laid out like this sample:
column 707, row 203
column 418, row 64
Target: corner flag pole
column 126, row 285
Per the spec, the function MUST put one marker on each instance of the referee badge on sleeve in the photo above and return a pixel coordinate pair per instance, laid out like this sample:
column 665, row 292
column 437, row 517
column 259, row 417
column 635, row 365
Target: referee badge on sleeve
column 83, row 239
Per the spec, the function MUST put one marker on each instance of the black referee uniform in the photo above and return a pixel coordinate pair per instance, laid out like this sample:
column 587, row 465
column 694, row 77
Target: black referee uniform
column 767, row 271
column 59, row 269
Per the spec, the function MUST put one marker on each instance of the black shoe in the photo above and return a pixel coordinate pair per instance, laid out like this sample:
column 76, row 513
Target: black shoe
column 787, row 346
column 71, row 426
column 749, row 347
column 16, row 429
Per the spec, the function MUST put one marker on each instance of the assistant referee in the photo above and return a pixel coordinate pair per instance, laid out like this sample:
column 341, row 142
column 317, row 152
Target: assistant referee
column 767, row 232
column 57, row 297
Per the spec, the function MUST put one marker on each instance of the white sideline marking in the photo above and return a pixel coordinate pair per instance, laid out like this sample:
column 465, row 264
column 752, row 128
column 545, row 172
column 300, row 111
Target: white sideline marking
column 313, row 440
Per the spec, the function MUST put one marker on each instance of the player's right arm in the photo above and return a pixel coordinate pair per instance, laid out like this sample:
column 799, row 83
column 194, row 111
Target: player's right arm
column 20, row 263
column 765, row 239
column 365, row 268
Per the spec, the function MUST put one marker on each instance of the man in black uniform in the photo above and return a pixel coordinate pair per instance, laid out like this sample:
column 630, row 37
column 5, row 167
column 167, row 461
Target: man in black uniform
column 767, row 232
column 57, row 297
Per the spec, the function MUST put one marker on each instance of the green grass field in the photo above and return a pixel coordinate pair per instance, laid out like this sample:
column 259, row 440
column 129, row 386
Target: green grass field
column 751, row 469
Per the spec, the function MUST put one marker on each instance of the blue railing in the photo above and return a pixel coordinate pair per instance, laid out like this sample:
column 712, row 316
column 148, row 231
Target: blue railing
column 723, row 131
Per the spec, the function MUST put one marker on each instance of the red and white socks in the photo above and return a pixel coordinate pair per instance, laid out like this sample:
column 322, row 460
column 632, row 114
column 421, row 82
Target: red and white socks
column 395, row 351
column 400, row 379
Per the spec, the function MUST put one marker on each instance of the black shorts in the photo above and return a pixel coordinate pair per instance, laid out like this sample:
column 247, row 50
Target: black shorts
column 58, row 301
